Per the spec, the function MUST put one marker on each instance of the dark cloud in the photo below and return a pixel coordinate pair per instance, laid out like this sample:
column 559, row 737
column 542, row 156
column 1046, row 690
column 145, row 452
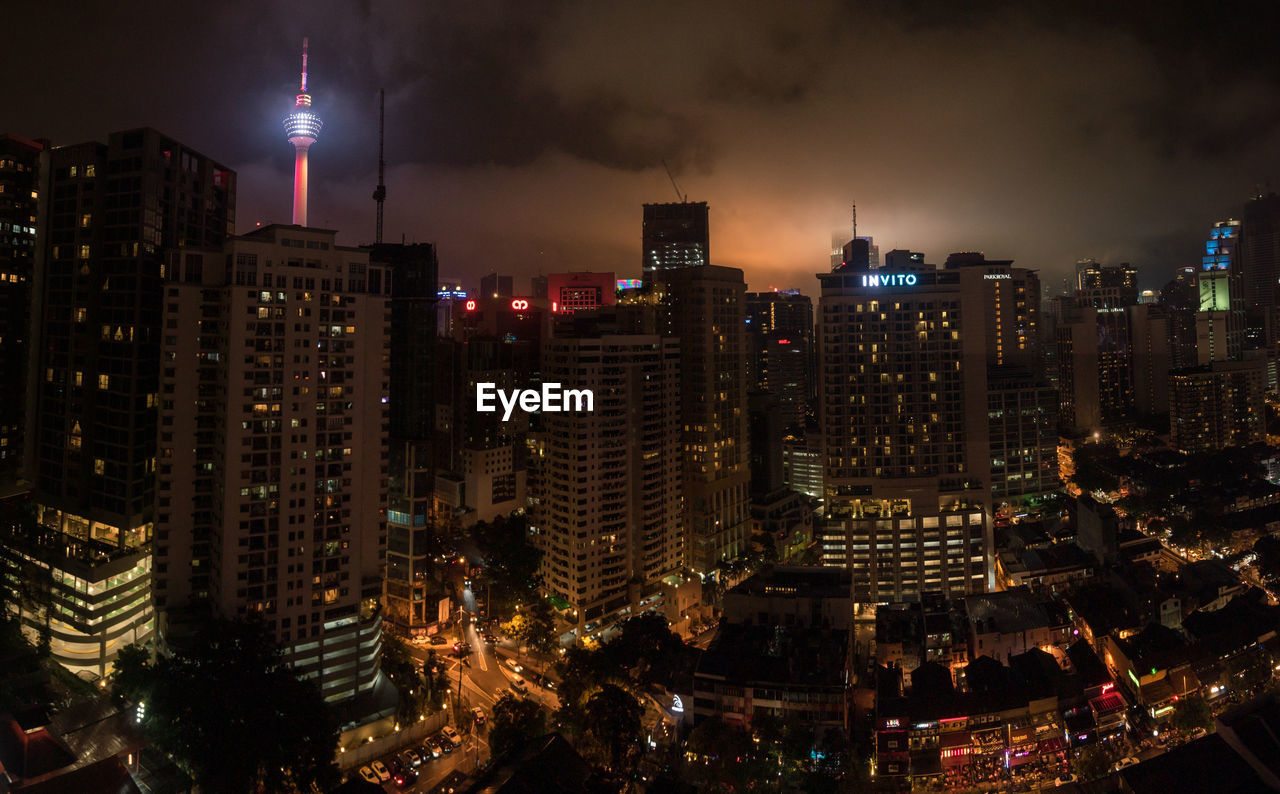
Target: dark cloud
column 524, row 136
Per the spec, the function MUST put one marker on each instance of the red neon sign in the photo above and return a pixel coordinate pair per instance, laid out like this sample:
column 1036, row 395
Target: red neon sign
column 471, row 306
column 519, row 303
column 784, row 341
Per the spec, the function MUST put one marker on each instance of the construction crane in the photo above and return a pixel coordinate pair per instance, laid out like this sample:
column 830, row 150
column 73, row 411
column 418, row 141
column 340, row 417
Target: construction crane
column 380, row 194
column 684, row 198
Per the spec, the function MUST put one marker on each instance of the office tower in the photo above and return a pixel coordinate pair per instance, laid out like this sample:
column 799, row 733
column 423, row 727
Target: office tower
column 19, row 199
column 675, row 236
column 782, row 355
column 1220, row 316
column 1152, row 327
column 413, row 588
column 909, row 364
column 765, row 442
column 803, row 464
column 605, row 484
column 111, row 217
column 571, row 292
column 302, row 126
column 496, row 286
column 272, row 479
column 1218, row 405
column 1259, row 256
column 1095, row 349
column 1180, row 300
column 704, row 307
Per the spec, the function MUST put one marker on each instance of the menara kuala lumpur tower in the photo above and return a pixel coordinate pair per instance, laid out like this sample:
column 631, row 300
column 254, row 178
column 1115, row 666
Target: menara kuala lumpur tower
column 302, row 126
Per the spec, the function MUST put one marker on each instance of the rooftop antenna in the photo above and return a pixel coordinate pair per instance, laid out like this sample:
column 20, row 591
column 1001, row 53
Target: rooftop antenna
column 380, row 194
column 855, row 220
column 683, row 198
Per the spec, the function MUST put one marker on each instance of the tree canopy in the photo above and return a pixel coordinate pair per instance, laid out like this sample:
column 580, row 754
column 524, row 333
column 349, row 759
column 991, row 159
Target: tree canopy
column 230, row 711
column 515, row 722
column 612, row 716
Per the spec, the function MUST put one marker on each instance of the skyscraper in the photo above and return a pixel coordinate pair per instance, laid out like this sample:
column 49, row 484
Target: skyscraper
column 705, row 309
column 302, row 126
column 112, row 219
column 905, row 425
column 675, row 236
column 1095, row 349
column 276, row 375
column 19, row 199
column 1259, row 253
column 782, row 355
column 605, row 485
column 414, row 590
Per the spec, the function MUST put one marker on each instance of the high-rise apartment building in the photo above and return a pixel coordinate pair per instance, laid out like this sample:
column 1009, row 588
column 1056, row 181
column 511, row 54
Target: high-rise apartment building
column 675, row 236
column 1218, row 405
column 783, row 358
column 704, row 307
column 19, row 200
column 111, row 219
column 605, row 484
column 273, row 464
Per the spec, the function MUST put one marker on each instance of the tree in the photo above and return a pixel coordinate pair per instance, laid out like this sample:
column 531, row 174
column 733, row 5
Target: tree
column 511, row 562
column 515, row 721
column 612, row 717
column 646, row 648
column 1095, row 761
column 1192, row 712
column 534, row 626
column 1095, row 465
column 435, row 675
column 404, row 673
column 231, row 712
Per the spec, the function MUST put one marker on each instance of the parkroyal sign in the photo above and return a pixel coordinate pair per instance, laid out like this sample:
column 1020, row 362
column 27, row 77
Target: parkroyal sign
column 890, row 280
column 551, row 399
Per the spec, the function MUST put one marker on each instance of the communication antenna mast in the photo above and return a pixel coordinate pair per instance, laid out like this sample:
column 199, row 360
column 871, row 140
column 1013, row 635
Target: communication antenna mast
column 684, row 198
column 855, row 220
column 380, row 194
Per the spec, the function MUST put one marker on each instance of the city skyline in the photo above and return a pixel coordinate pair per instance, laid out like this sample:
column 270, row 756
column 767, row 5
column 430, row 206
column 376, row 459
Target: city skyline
column 1131, row 141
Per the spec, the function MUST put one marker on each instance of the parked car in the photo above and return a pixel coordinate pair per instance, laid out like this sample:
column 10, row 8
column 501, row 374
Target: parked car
column 1064, row 780
column 478, row 713
column 444, row 744
column 449, row 733
column 405, row 778
column 369, row 775
column 1126, row 762
column 438, row 639
column 429, row 750
column 380, row 770
column 412, row 757
column 1198, row 733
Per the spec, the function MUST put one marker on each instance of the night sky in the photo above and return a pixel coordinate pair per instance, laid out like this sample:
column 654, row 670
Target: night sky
column 524, row 136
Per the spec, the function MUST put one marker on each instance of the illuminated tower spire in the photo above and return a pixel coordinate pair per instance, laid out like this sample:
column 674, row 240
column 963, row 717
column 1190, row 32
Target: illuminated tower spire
column 302, row 126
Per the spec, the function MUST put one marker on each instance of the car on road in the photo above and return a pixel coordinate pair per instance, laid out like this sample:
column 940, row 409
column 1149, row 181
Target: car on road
column 590, row 627
column 1064, row 780
column 449, row 733
column 369, row 775
column 1198, row 733
column 490, row 639
column 380, row 770
column 429, row 750
column 478, row 713
column 438, row 639
column 514, row 665
column 519, row 685
column 1126, row 762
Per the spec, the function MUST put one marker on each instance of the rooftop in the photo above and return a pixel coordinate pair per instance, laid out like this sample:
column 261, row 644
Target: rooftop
column 778, row 655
